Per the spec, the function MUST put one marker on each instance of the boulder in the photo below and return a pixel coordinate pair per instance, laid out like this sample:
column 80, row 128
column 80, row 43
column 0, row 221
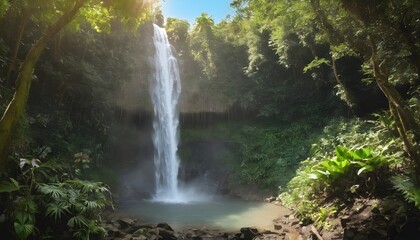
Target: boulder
column 165, row 226
column 125, row 222
column 142, row 232
column 249, row 233
column 165, row 234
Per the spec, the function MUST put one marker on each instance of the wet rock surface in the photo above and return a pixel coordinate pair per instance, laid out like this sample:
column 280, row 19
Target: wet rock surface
column 132, row 229
column 364, row 220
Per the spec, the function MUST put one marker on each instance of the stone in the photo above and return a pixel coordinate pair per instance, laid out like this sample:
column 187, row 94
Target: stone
column 331, row 235
column 344, row 220
column 266, row 231
column 148, row 226
column 127, row 237
column 125, row 222
column 306, row 232
column 349, row 233
column 296, row 222
column 165, row 226
column 277, row 226
column 166, row 234
column 116, row 224
column 141, row 232
column 249, row 233
column 272, row 236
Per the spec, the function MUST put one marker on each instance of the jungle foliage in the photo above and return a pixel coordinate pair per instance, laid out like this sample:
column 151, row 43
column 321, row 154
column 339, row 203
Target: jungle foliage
column 300, row 53
column 58, row 110
column 327, row 88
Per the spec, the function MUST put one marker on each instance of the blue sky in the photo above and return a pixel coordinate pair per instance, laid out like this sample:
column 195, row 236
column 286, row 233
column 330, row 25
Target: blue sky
column 191, row 9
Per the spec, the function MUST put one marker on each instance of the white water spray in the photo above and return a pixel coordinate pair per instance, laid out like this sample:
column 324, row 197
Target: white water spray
column 165, row 88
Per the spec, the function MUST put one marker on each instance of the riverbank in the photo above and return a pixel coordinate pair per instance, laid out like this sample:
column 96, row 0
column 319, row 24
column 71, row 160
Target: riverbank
column 219, row 219
column 365, row 219
column 133, row 229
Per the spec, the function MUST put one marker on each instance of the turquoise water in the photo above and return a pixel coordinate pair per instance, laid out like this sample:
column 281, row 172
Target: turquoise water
column 226, row 214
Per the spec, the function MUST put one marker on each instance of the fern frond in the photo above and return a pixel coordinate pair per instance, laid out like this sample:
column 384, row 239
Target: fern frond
column 410, row 191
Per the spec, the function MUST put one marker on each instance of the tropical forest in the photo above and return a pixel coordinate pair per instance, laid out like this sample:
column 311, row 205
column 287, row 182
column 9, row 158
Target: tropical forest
column 284, row 120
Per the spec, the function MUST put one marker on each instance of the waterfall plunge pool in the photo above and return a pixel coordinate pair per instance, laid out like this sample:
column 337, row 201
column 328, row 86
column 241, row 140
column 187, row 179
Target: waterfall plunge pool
column 217, row 213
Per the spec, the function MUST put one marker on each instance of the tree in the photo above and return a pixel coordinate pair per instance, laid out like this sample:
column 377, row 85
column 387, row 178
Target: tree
column 384, row 35
column 373, row 17
column 128, row 8
column 203, row 43
column 178, row 34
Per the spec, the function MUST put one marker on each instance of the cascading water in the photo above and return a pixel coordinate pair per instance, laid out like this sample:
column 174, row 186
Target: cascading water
column 165, row 88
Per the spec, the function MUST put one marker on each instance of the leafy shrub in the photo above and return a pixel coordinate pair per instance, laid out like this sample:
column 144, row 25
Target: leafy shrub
column 334, row 174
column 46, row 199
column 339, row 174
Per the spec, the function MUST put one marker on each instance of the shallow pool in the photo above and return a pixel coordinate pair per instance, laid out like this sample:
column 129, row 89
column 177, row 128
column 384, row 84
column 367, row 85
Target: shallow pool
column 217, row 213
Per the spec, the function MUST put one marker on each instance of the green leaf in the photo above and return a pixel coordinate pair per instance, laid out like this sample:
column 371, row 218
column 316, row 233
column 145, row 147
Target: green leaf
column 94, row 205
column 316, row 63
column 78, row 221
column 57, row 210
column 23, row 230
column 54, row 190
column 43, row 152
column 342, row 151
column 23, row 225
column 7, row 187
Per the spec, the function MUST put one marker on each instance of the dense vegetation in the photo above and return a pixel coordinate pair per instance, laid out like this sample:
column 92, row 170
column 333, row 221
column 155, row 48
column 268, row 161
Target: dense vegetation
column 320, row 97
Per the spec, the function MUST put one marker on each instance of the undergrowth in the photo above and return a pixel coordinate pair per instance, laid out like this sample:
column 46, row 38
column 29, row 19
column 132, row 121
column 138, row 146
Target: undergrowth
column 354, row 159
column 264, row 153
column 47, row 199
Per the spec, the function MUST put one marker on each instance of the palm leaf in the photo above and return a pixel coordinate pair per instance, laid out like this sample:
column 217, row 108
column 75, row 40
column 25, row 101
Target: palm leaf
column 56, row 210
column 56, row 190
column 78, row 221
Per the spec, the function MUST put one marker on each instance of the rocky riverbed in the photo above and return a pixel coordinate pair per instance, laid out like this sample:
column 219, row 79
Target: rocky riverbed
column 123, row 228
column 131, row 229
column 366, row 219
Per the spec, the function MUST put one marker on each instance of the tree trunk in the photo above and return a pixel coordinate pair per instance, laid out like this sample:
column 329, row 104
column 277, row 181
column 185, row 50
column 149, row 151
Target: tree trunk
column 17, row 105
column 403, row 116
column 348, row 97
column 13, row 60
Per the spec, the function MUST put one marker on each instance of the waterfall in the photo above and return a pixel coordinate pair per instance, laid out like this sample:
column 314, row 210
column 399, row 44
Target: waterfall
column 165, row 88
